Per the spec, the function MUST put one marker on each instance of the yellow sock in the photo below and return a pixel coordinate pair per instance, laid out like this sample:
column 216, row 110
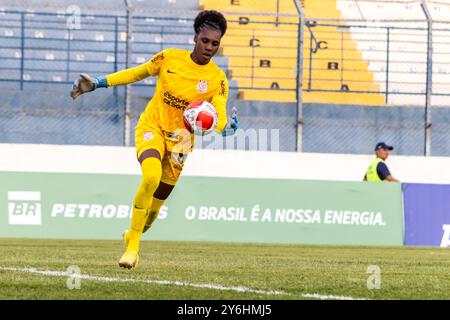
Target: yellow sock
column 151, row 175
column 153, row 212
column 137, row 221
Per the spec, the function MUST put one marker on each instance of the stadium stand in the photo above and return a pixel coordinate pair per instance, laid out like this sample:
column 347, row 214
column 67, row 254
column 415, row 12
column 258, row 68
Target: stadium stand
column 336, row 70
column 43, row 54
column 343, row 63
column 331, row 84
column 360, row 67
column 407, row 45
column 54, row 54
column 262, row 49
column 106, row 5
column 166, row 4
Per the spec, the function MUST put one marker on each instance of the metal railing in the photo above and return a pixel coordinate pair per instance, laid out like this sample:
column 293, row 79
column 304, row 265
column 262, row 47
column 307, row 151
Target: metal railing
column 403, row 64
column 26, row 34
column 45, row 52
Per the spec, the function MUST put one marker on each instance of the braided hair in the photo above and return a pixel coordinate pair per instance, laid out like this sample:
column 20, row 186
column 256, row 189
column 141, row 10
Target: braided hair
column 210, row 18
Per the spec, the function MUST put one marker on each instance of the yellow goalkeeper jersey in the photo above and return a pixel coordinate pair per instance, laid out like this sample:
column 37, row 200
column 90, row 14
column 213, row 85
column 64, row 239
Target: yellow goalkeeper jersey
column 180, row 82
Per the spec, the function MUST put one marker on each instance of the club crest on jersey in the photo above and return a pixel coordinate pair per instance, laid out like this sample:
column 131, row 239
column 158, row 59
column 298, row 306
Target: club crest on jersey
column 148, row 136
column 202, row 86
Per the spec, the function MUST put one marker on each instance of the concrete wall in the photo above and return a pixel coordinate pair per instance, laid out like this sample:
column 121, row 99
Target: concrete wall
column 356, row 129
column 213, row 163
column 97, row 119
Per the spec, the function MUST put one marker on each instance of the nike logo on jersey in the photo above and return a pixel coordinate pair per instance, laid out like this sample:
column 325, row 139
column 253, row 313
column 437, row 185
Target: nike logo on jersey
column 168, row 71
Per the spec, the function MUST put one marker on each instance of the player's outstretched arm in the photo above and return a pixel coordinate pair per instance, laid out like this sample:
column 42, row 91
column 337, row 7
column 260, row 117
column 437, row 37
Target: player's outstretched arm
column 86, row 83
column 232, row 124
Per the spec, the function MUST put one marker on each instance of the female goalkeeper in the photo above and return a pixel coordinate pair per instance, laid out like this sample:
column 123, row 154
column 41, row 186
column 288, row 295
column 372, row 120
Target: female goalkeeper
column 183, row 77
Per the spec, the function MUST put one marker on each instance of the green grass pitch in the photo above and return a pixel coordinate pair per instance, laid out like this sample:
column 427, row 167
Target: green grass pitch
column 294, row 271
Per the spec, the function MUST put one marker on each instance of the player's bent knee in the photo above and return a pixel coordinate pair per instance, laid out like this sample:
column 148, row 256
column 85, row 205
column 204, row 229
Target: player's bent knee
column 151, row 179
column 150, row 182
column 151, row 173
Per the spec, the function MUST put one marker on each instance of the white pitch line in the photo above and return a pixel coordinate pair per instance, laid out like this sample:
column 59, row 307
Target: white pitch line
column 51, row 273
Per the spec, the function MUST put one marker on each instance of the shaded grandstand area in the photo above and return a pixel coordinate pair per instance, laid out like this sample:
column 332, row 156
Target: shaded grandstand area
column 114, row 6
column 364, row 67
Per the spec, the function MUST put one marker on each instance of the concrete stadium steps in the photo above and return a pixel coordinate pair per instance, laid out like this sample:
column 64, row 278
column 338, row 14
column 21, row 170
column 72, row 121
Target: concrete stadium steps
column 407, row 78
column 336, row 85
column 347, row 98
column 330, row 76
column 120, row 4
column 9, row 41
column 406, row 72
column 110, row 5
column 160, row 31
column 342, row 49
column 150, row 37
column 266, row 83
column 47, row 41
column 245, row 60
column 150, row 49
column 269, row 51
column 311, row 97
column 10, row 61
column 267, row 95
column 323, row 9
column 243, row 33
column 239, row 60
column 9, row 74
column 255, row 6
column 283, row 73
column 387, row 10
column 336, row 54
column 322, row 63
column 260, row 22
column 156, row 19
column 408, row 87
column 166, row 4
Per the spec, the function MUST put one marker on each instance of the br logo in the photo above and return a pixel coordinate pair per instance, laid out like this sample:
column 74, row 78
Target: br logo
column 24, row 207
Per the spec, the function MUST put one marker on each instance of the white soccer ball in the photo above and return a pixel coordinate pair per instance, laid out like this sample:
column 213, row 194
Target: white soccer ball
column 200, row 118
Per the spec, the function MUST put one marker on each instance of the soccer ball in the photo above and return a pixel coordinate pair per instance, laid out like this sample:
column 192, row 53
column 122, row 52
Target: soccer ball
column 200, row 118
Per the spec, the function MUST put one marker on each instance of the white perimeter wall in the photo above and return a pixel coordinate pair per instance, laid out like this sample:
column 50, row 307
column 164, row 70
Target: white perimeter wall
column 284, row 165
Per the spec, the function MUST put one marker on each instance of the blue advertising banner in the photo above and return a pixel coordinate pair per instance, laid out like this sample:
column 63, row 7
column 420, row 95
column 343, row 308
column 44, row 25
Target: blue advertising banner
column 427, row 214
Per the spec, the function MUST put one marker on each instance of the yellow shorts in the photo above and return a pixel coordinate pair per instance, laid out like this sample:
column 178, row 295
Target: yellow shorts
column 172, row 150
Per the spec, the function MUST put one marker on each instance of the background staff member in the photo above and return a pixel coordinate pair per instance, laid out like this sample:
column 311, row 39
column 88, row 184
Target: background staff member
column 378, row 170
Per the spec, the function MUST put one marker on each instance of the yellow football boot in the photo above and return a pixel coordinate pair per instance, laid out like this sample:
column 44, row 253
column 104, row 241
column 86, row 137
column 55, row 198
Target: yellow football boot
column 129, row 259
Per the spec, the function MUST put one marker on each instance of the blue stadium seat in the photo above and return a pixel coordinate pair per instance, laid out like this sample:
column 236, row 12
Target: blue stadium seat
column 9, row 74
column 64, row 4
column 166, row 4
column 50, row 68
column 10, row 42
